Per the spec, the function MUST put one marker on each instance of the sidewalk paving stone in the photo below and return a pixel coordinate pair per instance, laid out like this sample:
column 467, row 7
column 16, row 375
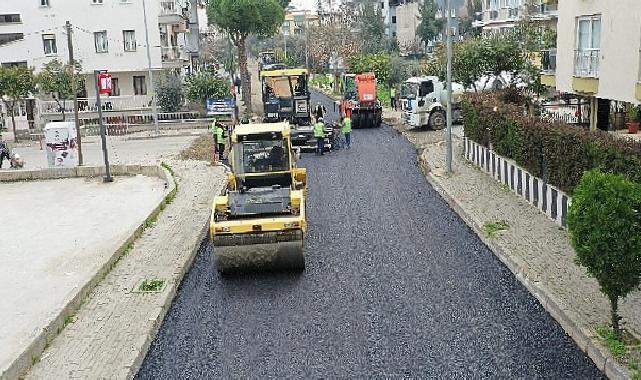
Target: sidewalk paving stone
column 110, row 334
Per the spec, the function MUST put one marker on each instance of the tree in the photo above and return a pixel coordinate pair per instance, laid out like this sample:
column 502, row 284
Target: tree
column 430, row 26
column 605, row 228
column 55, row 80
column 206, row 85
column 371, row 27
column 16, row 84
column 371, row 30
column 466, row 26
column 240, row 18
column 327, row 42
column 169, row 90
column 379, row 64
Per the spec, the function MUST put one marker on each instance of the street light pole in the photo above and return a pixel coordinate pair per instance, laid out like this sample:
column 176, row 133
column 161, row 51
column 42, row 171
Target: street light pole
column 103, row 132
column 306, row 42
column 72, row 72
column 448, row 157
column 151, row 90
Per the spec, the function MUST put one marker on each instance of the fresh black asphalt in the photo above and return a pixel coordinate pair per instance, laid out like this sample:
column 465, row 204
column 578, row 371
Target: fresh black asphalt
column 396, row 286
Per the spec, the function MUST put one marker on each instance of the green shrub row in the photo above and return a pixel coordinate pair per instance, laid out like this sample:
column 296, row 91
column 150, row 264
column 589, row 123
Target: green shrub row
column 558, row 153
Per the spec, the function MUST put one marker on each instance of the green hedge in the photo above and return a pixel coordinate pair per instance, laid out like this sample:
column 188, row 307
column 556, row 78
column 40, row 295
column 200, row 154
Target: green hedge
column 558, row 153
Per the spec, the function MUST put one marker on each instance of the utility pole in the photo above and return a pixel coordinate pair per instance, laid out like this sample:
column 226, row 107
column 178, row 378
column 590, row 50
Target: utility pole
column 103, row 132
column 72, row 69
column 448, row 157
column 285, row 42
column 152, row 90
column 306, row 42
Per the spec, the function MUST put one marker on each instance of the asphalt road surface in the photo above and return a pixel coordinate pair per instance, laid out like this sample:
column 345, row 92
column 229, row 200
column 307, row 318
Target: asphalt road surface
column 396, row 286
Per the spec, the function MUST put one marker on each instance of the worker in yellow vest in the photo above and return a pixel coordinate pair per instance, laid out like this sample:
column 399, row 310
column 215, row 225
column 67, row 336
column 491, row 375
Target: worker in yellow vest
column 219, row 139
column 319, row 133
column 347, row 131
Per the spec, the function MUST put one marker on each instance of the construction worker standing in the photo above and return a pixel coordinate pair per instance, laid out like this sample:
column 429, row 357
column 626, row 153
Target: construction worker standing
column 319, row 133
column 219, row 135
column 392, row 93
column 347, row 131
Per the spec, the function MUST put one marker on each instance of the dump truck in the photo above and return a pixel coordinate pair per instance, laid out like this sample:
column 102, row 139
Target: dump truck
column 286, row 97
column 359, row 101
column 423, row 102
column 259, row 222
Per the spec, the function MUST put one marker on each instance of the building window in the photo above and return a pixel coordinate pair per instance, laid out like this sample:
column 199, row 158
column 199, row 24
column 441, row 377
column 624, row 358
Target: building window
column 44, row 3
column 129, row 37
column 5, row 38
column 588, row 46
column 49, row 43
column 140, row 85
column 115, row 88
column 100, row 39
column 10, row 19
column 96, row 1
column 393, row 19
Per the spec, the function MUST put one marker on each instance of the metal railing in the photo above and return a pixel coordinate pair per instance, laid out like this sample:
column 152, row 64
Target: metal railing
column 173, row 53
column 586, row 63
column 568, row 113
column 548, row 61
column 109, row 103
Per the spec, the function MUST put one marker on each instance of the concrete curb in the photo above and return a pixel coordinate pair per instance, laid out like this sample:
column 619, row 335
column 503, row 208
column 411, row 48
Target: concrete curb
column 81, row 172
column 566, row 318
column 203, row 132
column 151, row 335
column 23, row 363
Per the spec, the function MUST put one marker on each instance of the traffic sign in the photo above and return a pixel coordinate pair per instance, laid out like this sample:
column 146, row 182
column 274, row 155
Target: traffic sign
column 104, row 83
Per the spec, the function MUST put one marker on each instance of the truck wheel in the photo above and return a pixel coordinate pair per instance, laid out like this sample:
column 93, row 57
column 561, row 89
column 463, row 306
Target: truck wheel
column 437, row 120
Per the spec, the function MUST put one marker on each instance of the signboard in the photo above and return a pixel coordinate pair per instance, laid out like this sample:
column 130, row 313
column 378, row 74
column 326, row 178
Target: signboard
column 104, row 83
column 220, row 106
column 61, row 140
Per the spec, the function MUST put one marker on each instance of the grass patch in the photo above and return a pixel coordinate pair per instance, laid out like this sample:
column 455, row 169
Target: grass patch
column 492, row 228
column 202, row 149
column 69, row 319
column 170, row 197
column 151, row 285
column 626, row 349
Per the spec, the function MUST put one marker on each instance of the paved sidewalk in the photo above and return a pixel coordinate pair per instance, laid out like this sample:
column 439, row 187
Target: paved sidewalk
column 110, row 334
column 51, row 251
column 122, row 150
column 534, row 247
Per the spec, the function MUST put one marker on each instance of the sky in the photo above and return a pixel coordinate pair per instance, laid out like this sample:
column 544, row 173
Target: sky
column 304, row 4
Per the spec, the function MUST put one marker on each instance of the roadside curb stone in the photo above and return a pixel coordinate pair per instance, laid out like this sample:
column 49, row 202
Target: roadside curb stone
column 573, row 323
column 114, row 326
column 25, row 360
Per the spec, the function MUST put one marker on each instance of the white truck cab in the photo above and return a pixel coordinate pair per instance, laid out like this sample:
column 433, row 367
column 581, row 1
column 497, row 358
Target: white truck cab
column 423, row 102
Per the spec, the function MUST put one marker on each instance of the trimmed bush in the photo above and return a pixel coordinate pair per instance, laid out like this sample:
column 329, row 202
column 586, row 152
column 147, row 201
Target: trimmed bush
column 605, row 227
column 558, row 153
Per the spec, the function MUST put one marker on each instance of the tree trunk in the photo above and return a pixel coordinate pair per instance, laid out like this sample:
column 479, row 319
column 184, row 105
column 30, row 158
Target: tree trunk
column 614, row 308
column 64, row 103
column 13, row 121
column 244, row 74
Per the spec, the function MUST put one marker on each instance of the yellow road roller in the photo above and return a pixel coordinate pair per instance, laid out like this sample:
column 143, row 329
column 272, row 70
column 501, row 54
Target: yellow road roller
column 259, row 222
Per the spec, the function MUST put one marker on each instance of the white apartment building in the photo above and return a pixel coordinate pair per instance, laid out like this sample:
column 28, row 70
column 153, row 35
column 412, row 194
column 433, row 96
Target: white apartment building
column 598, row 54
column 107, row 35
column 502, row 15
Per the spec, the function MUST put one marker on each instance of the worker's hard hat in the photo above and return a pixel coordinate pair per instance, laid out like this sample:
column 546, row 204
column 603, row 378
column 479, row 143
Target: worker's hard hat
column 320, row 119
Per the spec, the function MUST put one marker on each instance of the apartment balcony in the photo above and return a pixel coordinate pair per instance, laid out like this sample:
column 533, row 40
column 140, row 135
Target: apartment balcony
column 586, row 71
column 173, row 11
column 546, row 11
column 548, row 67
column 173, row 57
column 88, row 105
